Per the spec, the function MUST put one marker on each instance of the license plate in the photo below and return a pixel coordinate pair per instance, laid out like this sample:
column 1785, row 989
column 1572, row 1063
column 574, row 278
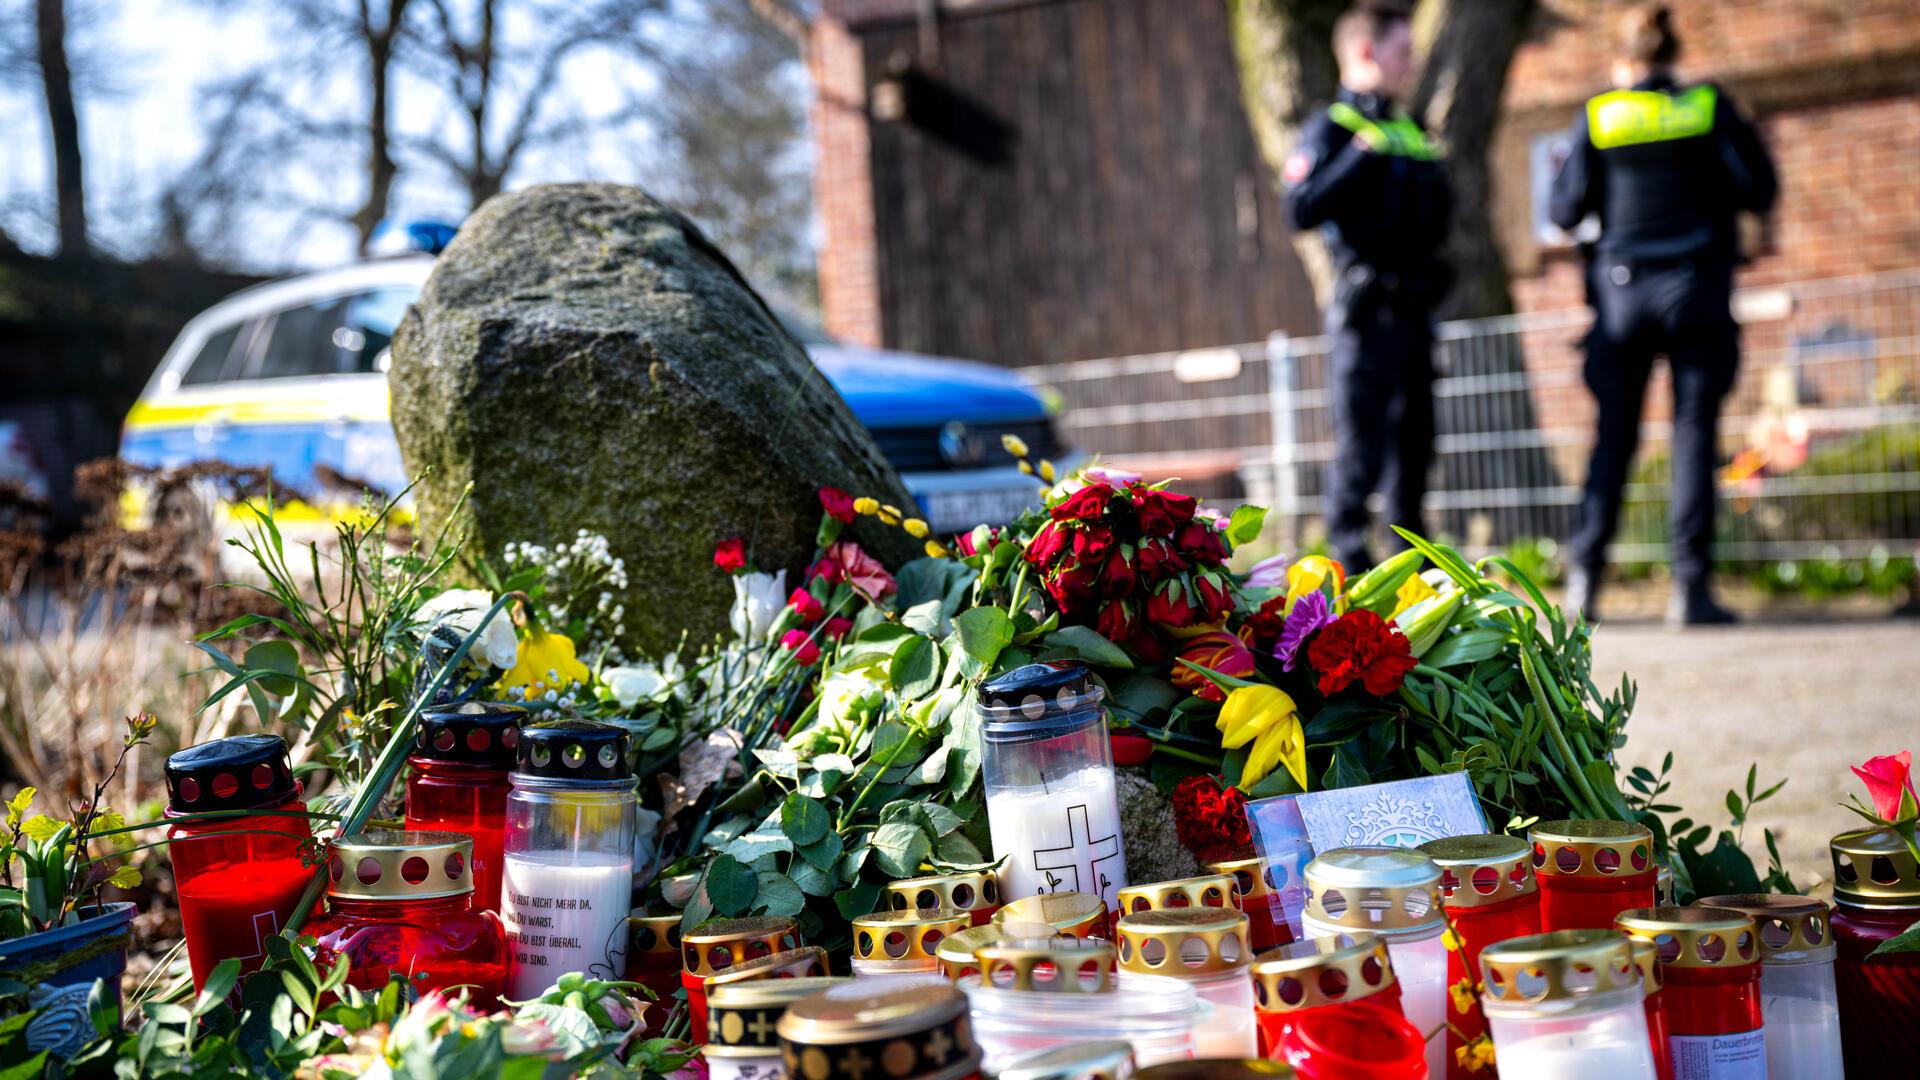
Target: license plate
column 959, row 511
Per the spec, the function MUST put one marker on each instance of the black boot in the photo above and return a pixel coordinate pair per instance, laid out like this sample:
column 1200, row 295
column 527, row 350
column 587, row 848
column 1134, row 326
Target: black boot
column 1693, row 605
column 1583, row 588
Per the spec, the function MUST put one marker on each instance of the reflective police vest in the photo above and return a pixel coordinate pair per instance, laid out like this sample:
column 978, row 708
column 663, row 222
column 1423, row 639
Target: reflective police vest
column 1394, row 135
column 1635, row 117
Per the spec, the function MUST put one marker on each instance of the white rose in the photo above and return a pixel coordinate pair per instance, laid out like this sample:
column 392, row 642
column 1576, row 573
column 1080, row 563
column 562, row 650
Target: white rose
column 758, row 600
column 634, row 683
column 461, row 610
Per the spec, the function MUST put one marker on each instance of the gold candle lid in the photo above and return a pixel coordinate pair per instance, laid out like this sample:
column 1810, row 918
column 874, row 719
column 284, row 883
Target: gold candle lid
column 743, row 1018
column 913, row 934
column 1872, row 868
column 972, row 890
column 1207, row 890
column 1591, row 848
column 1382, row 889
column 1321, row 971
column 1061, row 965
column 649, row 933
column 400, row 864
column 855, row 1032
column 1216, row 1069
column 1694, row 937
column 719, row 944
column 1076, row 913
column 1483, row 870
column 1560, row 966
column 1257, row 877
column 1663, row 885
column 1789, row 926
column 955, row 954
column 1647, row 958
column 1104, row 1059
column 805, row 962
column 1184, row 942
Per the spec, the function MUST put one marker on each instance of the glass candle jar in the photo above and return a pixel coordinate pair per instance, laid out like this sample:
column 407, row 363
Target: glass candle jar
column 1157, row 1016
column 1646, row 957
column 1208, row 890
column 238, row 878
column 1876, row 893
column 1591, row 871
column 720, row 945
column 458, row 783
column 653, row 961
column 1206, row 948
column 1361, row 1041
column 1047, row 767
column 402, row 901
column 888, row 943
column 1218, row 1069
column 955, row 955
column 1490, row 894
column 1393, row 892
column 1710, row 968
column 860, row 1032
column 743, row 1041
column 569, row 855
column 976, row 892
column 1320, row 973
column 1567, row 1005
column 1103, row 1059
column 1797, row 996
column 1071, row 914
column 1272, row 894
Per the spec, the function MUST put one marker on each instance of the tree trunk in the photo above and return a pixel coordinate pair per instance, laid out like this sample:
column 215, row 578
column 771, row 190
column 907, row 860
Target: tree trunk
column 381, row 169
column 63, row 120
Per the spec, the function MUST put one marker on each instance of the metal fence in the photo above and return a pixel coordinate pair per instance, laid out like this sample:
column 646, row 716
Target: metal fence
column 1820, row 437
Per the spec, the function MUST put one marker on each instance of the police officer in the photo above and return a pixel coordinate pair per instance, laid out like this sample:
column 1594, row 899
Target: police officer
column 1366, row 175
column 1665, row 166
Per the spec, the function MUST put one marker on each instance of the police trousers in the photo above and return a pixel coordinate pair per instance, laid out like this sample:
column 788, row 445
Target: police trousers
column 1679, row 310
column 1382, row 374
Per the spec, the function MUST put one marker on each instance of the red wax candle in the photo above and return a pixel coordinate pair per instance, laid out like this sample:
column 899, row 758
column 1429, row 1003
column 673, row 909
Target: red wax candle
column 1710, row 971
column 721, row 944
column 1319, row 973
column 1361, row 1041
column 1490, row 892
column 238, row 878
column 653, row 961
column 1876, row 893
column 459, row 784
column 1265, row 887
column 1647, row 958
column 1591, row 871
column 403, row 902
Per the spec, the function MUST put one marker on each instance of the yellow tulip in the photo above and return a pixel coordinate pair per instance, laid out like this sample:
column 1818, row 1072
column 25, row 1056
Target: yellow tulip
column 1412, row 591
column 1268, row 717
column 1311, row 574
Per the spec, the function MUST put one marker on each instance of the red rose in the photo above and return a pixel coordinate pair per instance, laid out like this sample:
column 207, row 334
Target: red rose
column 1360, row 647
column 1118, row 579
column 1116, row 621
column 1263, row 626
column 837, row 503
column 1084, row 505
column 1047, row 544
column 1161, row 512
column 1202, row 543
column 806, row 652
column 1145, row 645
column 837, row 627
column 1072, row 589
column 1170, row 607
column 805, row 606
column 731, row 555
column 1130, row 749
column 1158, row 559
column 1216, row 602
column 1091, row 542
column 964, row 542
column 1217, row 651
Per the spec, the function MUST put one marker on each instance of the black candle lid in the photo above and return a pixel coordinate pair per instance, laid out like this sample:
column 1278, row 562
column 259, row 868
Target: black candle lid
column 241, row 772
column 477, row 733
column 1038, row 700
column 573, row 750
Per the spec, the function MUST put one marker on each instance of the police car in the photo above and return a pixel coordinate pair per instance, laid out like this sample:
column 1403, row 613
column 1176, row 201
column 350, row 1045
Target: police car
column 292, row 375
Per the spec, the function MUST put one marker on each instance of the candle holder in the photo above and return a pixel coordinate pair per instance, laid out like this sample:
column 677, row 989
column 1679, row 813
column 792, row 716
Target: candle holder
column 1107, row 1059
column 955, row 955
column 1591, row 870
column 1207, row 949
column 860, row 1032
column 653, row 960
column 568, row 883
column 1490, row 894
column 1647, row 958
column 1070, row 913
column 403, row 901
column 976, row 892
column 458, row 782
column 1360, row 1041
column 1047, row 769
column 744, row 1042
column 1876, row 893
column 1055, row 965
column 1157, row 1016
column 1393, row 892
column 1710, row 968
column 1218, row 1069
column 1320, row 973
column 1798, row 999
column 238, row 878
column 903, row 942
column 1207, row 890
column 1567, row 1004
column 1272, row 892
column 719, row 945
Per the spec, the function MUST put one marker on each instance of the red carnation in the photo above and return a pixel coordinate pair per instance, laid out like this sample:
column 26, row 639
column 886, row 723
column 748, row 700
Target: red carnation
column 1118, row 579
column 837, row 503
column 1158, row 559
column 1361, row 647
column 828, row 571
column 1047, row 544
column 1263, row 626
column 1202, row 543
column 837, row 627
column 731, row 555
column 1161, row 512
column 1210, row 822
column 804, row 605
column 806, row 652
column 1083, row 505
column 1170, row 607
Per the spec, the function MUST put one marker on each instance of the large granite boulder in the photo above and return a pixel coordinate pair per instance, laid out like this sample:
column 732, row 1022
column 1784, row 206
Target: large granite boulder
column 586, row 359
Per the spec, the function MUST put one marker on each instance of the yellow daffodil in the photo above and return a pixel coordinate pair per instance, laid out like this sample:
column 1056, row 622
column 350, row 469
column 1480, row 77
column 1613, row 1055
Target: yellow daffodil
column 915, row 528
column 1266, row 717
column 546, row 665
column 1015, row 445
column 1411, row 592
column 1311, row 574
column 866, row 505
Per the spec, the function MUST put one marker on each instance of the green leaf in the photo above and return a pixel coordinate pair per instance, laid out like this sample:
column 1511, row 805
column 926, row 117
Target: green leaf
column 125, row 877
column 779, row 895
column 219, row 984
column 983, row 632
column 730, row 886
column 823, row 853
column 943, row 820
column 1087, row 644
column 1905, row 941
column 957, row 850
column 804, row 820
column 1467, row 647
column 1244, row 526
column 900, row 848
column 857, row 900
column 915, row 669
column 275, row 656
column 811, row 879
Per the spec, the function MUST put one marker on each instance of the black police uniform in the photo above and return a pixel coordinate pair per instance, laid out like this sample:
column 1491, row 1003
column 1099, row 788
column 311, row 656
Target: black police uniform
column 1366, row 176
column 1666, row 168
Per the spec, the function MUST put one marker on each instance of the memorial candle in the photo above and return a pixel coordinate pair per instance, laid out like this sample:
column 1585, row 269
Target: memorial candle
column 1591, row 871
column 744, row 1043
column 1103, row 1059
column 1566, row 1005
column 1646, row 957
column 858, row 1032
column 1206, row 948
column 1272, row 895
column 721, row 945
column 890, row 943
column 1797, row 996
column 459, row 782
column 976, row 892
column 1490, row 894
column 1320, row 973
column 1876, row 893
column 653, row 961
column 1710, row 968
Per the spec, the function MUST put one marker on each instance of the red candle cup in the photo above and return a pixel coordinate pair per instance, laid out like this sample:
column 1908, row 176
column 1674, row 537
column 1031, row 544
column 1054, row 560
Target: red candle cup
column 1361, row 1041
column 976, row 892
column 1710, row 967
column 238, row 878
column 1590, row 871
column 1319, row 973
column 1265, row 887
column 1876, row 893
column 1646, row 957
column 403, row 902
column 653, row 961
column 1207, row 890
column 859, row 1032
column 459, row 784
column 722, row 944
column 1488, row 888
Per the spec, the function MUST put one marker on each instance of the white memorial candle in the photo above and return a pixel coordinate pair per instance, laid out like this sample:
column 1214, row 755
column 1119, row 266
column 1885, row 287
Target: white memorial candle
column 1611, row 1045
column 1061, row 836
column 565, row 911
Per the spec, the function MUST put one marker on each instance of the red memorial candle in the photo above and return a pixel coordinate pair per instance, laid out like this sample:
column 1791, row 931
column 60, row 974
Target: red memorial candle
column 1320, row 973
column 653, row 961
column 1646, row 957
column 1710, row 965
column 238, row 878
column 1591, row 871
column 1876, row 893
column 721, row 944
column 1361, row 1041
column 459, row 784
column 1265, row 886
column 1488, row 888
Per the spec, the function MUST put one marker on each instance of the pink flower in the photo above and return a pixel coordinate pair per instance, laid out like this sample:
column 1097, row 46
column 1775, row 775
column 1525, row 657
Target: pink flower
column 837, row 627
column 1889, row 780
column 838, row 504
column 861, row 570
column 806, row 652
column 805, row 606
column 1110, row 476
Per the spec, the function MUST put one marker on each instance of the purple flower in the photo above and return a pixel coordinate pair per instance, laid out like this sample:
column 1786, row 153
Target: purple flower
column 1269, row 573
column 1309, row 613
